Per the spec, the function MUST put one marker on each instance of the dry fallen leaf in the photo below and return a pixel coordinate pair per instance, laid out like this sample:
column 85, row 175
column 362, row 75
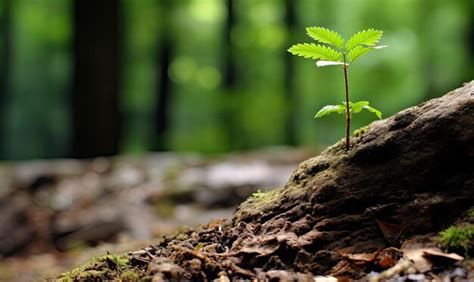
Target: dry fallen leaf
column 424, row 258
column 362, row 257
column 325, row 279
column 390, row 231
column 386, row 261
column 438, row 253
column 421, row 263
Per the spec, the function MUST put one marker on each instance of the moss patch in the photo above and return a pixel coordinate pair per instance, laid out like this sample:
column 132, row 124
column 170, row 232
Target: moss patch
column 361, row 131
column 129, row 276
column 470, row 214
column 103, row 267
column 459, row 238
column 259, row 201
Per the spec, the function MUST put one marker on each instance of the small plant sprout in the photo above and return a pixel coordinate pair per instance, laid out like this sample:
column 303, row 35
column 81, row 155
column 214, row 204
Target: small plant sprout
column 334, row 51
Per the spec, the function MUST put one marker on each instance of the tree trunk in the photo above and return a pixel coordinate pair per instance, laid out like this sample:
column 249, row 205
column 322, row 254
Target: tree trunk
column 163, row 90
column 97, row 69
column 229, row 112
column 5, row 57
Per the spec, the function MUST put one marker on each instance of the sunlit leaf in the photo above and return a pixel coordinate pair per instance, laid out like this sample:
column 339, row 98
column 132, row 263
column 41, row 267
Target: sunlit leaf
column 356, row 52
column 325, row 35
column 368, row 37
column 373, row 110
column 329, row 109
column 358, row 106
column 313, row 51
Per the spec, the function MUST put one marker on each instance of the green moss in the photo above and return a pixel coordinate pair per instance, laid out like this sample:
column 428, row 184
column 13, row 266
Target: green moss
column 264, row 198
column 129, row 275
column 458, row 239
column 470, row 213
column 258, row 202
column 361, row 131
column 259, row 194
column 101, row 267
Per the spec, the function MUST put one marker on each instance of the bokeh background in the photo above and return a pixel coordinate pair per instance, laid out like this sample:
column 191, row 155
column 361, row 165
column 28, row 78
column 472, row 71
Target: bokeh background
column 198, row 103
column 91, row 78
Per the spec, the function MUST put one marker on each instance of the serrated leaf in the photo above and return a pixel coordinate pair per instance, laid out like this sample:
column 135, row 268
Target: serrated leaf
column 329, row 109
column 368, row 37
column 357, row 106
column 313, row 51
column 373, row 110
column 328, row 63
column 356, row 52
column 325, row 35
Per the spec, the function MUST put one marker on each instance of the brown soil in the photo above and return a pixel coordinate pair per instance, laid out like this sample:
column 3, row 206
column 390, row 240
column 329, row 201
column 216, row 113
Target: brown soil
column 341, row 213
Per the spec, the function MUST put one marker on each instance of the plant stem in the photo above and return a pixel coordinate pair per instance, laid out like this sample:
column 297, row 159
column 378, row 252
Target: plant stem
column 348, row 114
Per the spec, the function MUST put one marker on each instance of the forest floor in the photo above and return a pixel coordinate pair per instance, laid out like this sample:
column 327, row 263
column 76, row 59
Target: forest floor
column 204, row 255
column 57, row 214
column 374, row 212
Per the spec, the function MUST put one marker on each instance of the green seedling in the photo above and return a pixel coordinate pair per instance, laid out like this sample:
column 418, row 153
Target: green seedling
column 334, row 51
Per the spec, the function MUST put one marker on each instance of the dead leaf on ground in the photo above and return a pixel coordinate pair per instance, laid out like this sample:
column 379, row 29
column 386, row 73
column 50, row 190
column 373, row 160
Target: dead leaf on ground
column 388, row 257
column 391, row 232
column 325, row 279
column 438, row 253
column 363, row 257
column 424, row 258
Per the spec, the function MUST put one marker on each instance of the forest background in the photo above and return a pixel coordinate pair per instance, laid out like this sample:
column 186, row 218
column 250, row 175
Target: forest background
column 92, row 78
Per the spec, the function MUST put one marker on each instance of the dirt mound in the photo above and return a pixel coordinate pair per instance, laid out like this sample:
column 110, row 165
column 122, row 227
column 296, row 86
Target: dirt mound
column 341, row 213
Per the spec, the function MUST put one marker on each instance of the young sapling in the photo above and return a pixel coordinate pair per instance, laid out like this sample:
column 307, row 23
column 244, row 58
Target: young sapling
column 334, row 51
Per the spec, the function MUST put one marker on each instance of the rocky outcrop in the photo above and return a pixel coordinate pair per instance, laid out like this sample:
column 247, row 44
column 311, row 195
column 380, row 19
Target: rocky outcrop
column 410, row 174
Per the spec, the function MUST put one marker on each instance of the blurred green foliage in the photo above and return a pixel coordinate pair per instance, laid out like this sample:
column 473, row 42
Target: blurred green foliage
column 429, row 54
column 40, row 63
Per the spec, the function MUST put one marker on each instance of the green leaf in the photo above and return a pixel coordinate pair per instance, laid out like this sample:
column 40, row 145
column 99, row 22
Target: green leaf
column 329, row 109
column 373, row 110
column 368, row 37
column 356, row 52
column 313, row 51
column 325, row 35
column 358, row 106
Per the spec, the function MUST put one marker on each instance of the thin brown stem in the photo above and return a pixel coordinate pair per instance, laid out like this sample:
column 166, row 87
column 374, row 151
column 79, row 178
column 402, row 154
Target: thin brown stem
column 348, row 114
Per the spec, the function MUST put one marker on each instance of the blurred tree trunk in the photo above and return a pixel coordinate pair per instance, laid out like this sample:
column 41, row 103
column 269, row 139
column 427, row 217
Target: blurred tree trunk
column 164, row 55
column 230, row 77
column 290, row 21
column 5, row 56
column 96, row 116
